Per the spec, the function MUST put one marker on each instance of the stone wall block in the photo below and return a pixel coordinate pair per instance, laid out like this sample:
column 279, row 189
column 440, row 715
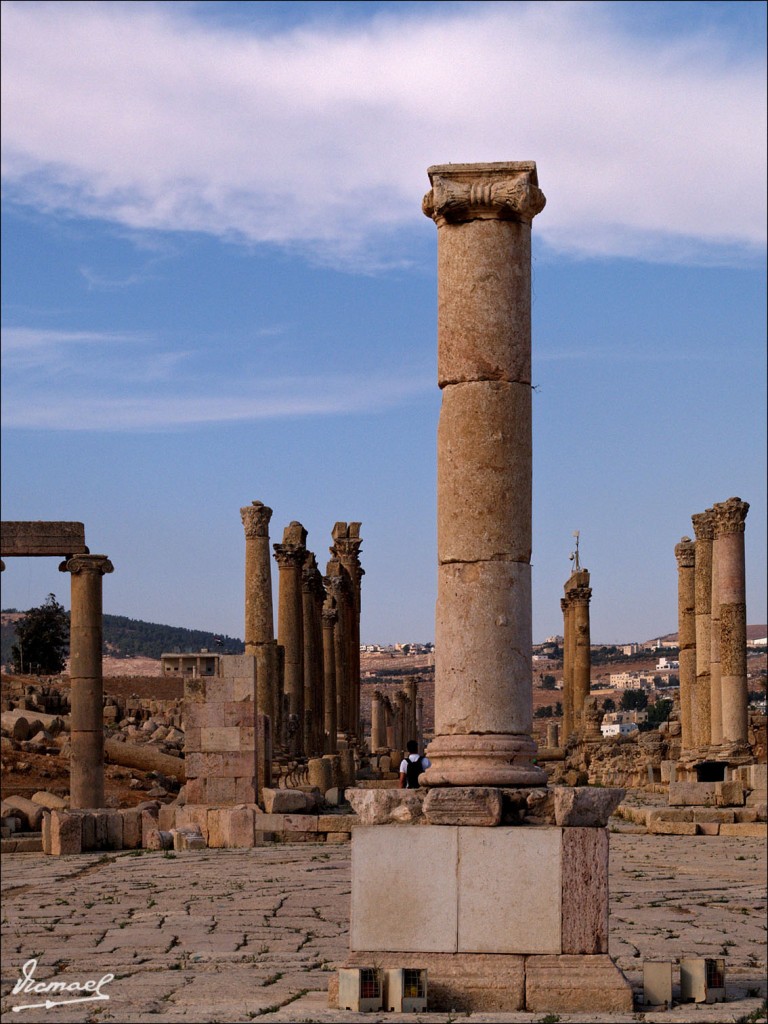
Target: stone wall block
column 66, row 833
column 484, row 473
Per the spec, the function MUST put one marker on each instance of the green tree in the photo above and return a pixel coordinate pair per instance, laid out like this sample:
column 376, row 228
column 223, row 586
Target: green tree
column 42, row 639
column 660, row 711
column 609, row 704
column 548, row 682
column 634, row 700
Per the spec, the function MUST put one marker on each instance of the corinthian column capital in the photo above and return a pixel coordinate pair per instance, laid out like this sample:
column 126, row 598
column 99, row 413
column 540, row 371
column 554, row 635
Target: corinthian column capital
column 685, row 553
column 499, row 191
column 704, row 525
column 255, row 519
column 729, row 516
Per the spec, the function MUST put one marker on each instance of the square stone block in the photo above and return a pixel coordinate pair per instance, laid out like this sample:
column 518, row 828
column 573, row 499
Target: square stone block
column 66, row 833
column 404, row 888
column 568, row 984
column 221, row 791
column 657, row 983
column 509, row 890
column 220, row 739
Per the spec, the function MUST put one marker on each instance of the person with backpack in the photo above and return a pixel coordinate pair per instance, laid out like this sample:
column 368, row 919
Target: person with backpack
column 412, row 766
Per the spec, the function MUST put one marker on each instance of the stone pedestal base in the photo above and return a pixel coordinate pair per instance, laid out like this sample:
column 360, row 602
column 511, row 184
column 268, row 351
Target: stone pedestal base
column 503, row 918
column 483, row 760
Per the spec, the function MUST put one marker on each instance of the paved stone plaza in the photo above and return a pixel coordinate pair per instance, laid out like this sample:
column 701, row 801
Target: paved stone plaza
column 239, row 935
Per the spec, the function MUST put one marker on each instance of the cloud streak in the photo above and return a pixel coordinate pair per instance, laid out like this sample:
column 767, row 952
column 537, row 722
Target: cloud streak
column 318, row 138
column 115, row 382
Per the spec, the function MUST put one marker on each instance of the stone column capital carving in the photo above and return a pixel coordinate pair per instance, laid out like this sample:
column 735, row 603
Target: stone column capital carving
column 498, row 191
column 256, row 517
column 704, row 525
column 685, row 553
column 729, row 516
column 564, row 604
column 87, row 564
column 288, row 557
column 581, row 594
column 330, row 614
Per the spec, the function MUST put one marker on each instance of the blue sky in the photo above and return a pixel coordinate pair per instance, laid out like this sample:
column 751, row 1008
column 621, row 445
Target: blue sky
column 218, row 286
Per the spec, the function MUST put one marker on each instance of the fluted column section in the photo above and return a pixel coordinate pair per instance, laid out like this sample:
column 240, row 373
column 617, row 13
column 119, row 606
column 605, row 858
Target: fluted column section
column 703, row 527
column 311, row 592
column 378, row 723
column 346, row 547
column 715, row 682
column 483, row 680
column 86, row 785
column 290, row 557
column 259, row 614
column 729, row 525
column 685, row 553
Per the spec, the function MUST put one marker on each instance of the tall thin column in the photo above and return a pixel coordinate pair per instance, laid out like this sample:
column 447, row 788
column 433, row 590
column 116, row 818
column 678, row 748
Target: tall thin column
column 311, row 589
column 378, row 723
column 582, row 662
column 411, row 689
column 730, row 519
column 330, row 617
column 346, row 547
column 259, row 616
column 685, row 553
column 715, row 687
column 483, row 679
column 86, row 785
column 337, row 584
column 703, row 527
column 420, row 722
column 567, row 609
column 290, row 557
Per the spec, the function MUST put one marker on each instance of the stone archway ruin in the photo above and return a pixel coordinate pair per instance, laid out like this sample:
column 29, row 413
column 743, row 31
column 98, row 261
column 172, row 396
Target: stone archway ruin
column 67, row 540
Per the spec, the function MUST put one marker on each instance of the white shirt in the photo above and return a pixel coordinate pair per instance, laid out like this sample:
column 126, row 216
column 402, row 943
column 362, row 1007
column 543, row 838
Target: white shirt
column 413, row 757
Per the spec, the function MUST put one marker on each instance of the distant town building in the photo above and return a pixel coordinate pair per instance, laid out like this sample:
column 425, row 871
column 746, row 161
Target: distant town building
column 665, row 665
column 203, row 663
column 622, row 723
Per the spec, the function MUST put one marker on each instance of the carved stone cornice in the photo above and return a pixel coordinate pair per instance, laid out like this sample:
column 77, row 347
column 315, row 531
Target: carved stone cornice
column 704, row 525
column 256, row 517
column 311, row 577
column 96, row 564
column 729, row 516
column 685, row 553
column 498, row 191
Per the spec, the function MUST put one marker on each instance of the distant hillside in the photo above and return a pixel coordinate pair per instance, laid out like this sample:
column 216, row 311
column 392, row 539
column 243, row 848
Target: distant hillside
column 131, row 638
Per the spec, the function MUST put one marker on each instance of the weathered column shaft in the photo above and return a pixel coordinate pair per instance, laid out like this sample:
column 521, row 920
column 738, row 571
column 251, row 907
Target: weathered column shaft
column 582, row 661
column 483, row 680
column 685, row 553
column 568, row 726
column 715, row 690
column 378, row 725
column 259, row 619
column 330, row 617
column 730, row 519
column 702, row 714
column 346, row 549
column 86, row 785
column 312, row 593
column 420, row 722
column 290, row 557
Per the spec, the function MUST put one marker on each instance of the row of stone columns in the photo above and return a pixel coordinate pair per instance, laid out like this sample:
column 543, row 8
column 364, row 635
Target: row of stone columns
column 712, row 627
column 310, row 679
column 397, row 720
column 576, row 650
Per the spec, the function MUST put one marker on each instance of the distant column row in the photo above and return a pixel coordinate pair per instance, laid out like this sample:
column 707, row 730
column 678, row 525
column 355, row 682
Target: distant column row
column 712, row 626
column 397, row 720
column 307, row 679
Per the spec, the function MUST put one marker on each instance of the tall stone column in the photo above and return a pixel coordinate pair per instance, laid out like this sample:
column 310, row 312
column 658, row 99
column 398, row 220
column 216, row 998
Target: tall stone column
column 715, row 688
column 378, row 723
column 582, row 661
column 729, row 523
column 483, row 679
column 685, row 553
column 703, row 527
column 565, row 605
column 330, row 618
column 411, row 690
column 259, row 617
column 312, row 591
column 420, row 723
column 87, row 685
column 337, row 584
column 346, row 547
column 290, row 557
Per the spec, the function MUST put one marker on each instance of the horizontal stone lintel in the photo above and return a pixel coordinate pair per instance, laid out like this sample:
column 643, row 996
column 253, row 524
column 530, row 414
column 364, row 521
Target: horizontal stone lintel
column 41, row 539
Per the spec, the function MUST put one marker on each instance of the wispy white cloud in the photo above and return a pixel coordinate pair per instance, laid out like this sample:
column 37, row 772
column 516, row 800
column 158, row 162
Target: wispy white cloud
column 100, row 381
column 318, row 137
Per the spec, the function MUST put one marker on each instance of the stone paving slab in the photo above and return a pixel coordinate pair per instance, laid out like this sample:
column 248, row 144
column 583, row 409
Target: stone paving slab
column 240, row 935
